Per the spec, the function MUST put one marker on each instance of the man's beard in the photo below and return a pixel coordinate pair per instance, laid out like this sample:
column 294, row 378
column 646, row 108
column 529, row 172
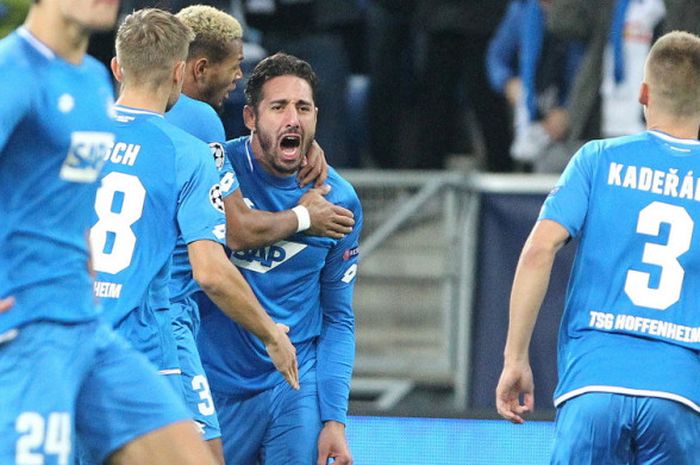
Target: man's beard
column 269, row 145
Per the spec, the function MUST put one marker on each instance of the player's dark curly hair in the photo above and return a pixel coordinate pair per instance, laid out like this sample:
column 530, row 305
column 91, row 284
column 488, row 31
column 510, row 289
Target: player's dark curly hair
column 279, row 64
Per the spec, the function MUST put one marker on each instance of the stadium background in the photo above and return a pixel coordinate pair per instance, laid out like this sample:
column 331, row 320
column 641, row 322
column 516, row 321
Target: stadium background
column 439, row 250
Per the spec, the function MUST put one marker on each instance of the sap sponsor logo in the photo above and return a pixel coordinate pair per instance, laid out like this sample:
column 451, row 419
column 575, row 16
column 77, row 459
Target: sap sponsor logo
column 86, row 156
column 267, row 258
column 348, row 254
column 217, row 151
column 215, row 197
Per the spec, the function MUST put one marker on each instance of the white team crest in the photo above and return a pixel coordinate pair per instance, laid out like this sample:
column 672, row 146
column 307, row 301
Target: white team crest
column 217, row 151
column 66, row 103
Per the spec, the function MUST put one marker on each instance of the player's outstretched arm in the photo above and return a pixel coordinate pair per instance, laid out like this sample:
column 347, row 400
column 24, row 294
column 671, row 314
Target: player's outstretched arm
column 332, row 444
column 249, row 228
column 529, row 288
column 314, row 168
column 227, row 288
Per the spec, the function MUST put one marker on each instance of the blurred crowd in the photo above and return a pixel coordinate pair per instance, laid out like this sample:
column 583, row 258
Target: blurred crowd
column 517, row 84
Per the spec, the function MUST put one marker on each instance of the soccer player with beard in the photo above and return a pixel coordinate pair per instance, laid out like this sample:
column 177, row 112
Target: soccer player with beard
column 213, row 67
column 305, row 282
column 58, row 361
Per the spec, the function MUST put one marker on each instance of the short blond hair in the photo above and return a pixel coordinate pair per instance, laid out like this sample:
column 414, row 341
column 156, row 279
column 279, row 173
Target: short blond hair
column 672, row 72
column 214, row 31
column 149, row 43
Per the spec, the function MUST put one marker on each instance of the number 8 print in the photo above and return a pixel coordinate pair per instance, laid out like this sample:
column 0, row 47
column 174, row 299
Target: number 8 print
column 116, row 224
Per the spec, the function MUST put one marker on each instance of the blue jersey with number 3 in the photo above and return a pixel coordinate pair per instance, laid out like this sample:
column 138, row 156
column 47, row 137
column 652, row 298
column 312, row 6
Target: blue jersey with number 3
column 158, row 183
column 55, row 127
column 631, row 323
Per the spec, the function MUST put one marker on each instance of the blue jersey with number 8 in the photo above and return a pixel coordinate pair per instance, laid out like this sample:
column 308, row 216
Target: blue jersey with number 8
column 158, row 183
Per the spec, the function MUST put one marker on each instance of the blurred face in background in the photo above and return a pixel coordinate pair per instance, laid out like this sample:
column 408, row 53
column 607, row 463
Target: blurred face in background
column 92, row 15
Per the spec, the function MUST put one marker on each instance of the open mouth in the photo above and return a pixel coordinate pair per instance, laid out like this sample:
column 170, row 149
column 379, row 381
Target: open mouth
column 289, row 145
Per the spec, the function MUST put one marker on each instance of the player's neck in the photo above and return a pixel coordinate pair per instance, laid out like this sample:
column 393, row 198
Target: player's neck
column 681, row 128
column 65, row 38
column 143, row 99
column 190, row 89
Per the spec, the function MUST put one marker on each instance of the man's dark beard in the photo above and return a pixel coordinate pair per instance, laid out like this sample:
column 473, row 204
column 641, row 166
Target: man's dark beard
column 267, row 146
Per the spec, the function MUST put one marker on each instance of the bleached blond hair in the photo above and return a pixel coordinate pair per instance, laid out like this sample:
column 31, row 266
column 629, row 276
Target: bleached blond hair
column 214, row 31
column 672, row 72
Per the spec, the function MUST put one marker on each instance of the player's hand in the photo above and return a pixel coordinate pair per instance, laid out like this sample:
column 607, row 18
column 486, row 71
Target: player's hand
column 6, row 304
column 556, row 123
column 514, row 91
column 284, row 355
column 332, row 444
column 516, row 380
column 326, row 219
column 313, row 167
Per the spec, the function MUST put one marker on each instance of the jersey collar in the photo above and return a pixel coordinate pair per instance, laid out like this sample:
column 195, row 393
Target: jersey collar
column 675, row 140
column 38, row 45
column 136, row 111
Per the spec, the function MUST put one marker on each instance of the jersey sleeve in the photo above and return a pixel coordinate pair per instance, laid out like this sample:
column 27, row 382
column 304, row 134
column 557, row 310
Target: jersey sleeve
column 336, row 347
column 208, row 127
column 502, row 52
column 228, row 181
column 200, row 212
column 567, row 203
column 16, row 99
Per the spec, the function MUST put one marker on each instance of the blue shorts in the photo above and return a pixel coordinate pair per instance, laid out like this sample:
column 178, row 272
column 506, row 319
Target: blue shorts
column 57, row 378
column 615, row 429
column 149, row 332
column 195, row 385
column 279, row 426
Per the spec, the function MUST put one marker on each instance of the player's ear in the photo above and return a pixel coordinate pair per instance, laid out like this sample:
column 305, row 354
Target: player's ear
column 199, row 68
column 644, row 93
column 179, row 73
column 249, row 117
column 116, row 69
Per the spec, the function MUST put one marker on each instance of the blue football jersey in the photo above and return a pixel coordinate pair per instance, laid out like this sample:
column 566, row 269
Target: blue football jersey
column 158, row 183
column 200, row 120
column 305, row 282
column 631, row 323
column 55, row 127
